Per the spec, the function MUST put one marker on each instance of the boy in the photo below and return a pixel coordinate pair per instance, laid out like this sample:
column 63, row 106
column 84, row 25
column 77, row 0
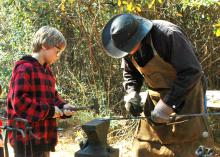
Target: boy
column 1, row 139
column 32, row 95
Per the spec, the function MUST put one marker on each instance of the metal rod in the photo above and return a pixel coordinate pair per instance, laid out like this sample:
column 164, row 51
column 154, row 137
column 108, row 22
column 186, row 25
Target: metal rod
column 125, row 118
column 172, row 117
column 199, row 114
column 91, row 107
column 78, row 108
column 14, row 129
column 185, row 116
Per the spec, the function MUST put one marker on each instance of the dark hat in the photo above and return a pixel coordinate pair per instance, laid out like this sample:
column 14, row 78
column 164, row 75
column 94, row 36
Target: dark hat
column 123, row 32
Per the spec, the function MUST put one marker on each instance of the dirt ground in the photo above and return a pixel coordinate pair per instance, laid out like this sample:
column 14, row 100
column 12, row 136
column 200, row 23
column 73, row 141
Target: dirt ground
column 68, row 146
column 65, row 149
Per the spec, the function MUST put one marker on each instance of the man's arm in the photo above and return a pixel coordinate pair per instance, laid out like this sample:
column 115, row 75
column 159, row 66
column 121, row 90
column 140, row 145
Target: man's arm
column 187, row 66
column 133, row 80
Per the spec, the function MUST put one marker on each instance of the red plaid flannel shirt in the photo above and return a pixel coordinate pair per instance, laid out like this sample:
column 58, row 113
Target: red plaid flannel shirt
column 32, row 96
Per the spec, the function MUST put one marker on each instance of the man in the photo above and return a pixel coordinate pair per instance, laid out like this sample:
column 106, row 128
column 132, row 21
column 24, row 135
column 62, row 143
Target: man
column 158, row 53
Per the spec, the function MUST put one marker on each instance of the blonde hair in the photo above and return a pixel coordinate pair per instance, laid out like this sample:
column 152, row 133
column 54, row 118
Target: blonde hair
column 48, row 37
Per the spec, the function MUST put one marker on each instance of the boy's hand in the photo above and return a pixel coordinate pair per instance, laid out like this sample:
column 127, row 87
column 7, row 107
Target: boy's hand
column 1, row 143
column 68, row 110
column 58, row 113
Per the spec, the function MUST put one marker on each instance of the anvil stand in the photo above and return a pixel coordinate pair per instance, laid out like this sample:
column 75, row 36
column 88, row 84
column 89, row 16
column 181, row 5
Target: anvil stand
column 96, row 146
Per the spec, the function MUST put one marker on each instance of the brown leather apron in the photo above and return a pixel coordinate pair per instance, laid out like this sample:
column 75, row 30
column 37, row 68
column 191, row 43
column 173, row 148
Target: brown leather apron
column 179, row 139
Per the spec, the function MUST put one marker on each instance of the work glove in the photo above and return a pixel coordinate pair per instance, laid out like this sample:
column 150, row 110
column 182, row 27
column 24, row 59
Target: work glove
column 161, row 113
column 133, row 104
column 68, row 110
column 58, row 113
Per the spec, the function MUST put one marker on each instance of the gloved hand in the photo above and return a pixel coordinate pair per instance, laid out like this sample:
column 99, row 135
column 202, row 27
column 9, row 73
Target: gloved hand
column 161, row 112
column 58, row 113
column 133, row 104
column 68, row 110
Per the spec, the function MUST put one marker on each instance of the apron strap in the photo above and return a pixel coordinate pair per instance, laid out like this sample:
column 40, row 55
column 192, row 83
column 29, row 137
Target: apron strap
column 153, row 48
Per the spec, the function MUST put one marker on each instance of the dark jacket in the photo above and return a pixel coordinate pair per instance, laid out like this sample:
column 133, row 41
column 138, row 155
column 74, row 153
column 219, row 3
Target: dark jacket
column 173, row 46
column 32, row 96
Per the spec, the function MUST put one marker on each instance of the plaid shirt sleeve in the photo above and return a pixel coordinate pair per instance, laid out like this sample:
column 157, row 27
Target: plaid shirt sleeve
column 59, row 102
column 22, row 98
column 1, row 126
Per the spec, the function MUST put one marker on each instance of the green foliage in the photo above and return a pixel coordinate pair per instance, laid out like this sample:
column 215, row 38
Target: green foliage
column 81, row 76
column 84, row 70
column 133, row 6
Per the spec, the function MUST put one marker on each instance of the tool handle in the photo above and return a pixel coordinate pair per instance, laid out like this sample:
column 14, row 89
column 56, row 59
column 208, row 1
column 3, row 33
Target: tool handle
column 176, row 118
column 94, row 107
column 76, row 108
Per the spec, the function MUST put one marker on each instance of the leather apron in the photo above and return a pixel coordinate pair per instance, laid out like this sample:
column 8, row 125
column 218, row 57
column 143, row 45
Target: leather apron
column 179, row 139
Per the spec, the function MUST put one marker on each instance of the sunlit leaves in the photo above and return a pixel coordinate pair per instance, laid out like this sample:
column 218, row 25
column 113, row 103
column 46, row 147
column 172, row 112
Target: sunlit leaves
column 217, row 29
column 179, row 15
column 71, row 1
column 218, row 32
column 136, row 6
column 119, row 3
column 198, row 3
column 129, row 6
column 62, row 6
column 151, row 4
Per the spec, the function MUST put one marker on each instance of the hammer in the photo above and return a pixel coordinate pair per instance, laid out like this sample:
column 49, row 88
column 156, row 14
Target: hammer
column 94, row 107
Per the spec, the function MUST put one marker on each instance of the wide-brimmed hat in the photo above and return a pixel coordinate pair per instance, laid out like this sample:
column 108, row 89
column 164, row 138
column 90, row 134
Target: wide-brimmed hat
column 123, row 32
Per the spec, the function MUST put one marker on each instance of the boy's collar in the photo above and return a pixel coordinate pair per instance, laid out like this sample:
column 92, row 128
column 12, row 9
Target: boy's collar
column 32, row 59
column 28, row 58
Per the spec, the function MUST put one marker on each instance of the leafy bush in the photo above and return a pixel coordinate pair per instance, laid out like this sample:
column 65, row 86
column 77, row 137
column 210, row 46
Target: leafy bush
column 85, row 71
